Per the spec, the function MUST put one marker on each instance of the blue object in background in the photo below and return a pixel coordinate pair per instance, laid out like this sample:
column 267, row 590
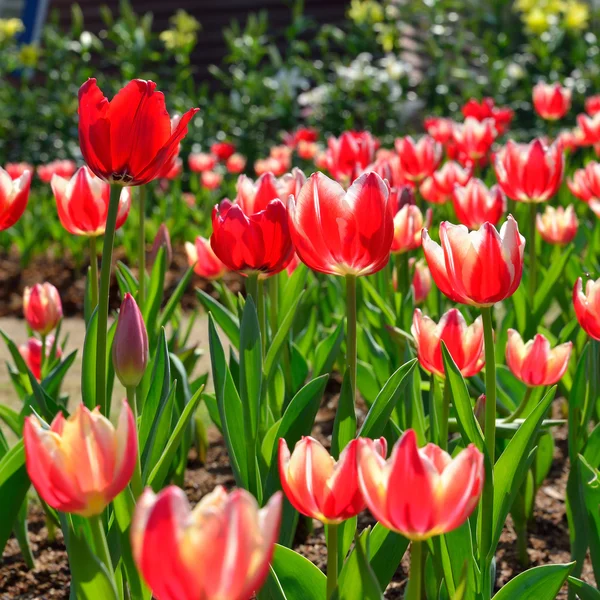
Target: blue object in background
column 33, row 16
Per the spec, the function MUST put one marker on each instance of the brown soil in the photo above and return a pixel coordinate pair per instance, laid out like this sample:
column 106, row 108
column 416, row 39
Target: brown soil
column 549, row 538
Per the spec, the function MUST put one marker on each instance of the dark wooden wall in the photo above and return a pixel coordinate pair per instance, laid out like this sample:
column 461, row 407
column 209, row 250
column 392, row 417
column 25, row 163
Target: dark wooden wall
column 214, row 15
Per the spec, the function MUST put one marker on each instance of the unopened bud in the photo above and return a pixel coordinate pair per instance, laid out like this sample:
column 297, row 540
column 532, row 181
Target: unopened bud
column 161, row 240
column 42, row 307
column 480, row 411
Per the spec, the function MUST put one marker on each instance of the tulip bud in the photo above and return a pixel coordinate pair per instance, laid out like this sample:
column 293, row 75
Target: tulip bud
column 161, row 240
column 42, row 307
column 480, row 411
column 130, row 346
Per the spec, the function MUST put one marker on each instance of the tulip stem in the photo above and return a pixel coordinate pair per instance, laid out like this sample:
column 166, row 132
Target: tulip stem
column 521, row 408
column 332, row 559
column 415, row 579
column 93, row 271
column 103, row 298
column 260, row 309
column 403, row 282
column 137, row 483
column 273, row 305
column 43, row 356
column 445, row 416
column 532, row 255
column 142, row 246
column 351, row 330
column 101, row 544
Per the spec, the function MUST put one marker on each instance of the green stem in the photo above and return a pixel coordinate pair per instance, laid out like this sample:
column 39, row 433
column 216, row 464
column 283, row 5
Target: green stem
column 260, row 309
column 105, row 270
column 532, row 255
column 101, row 544
column 94, row 271
column 402, row 273
column 142, row 246
column 43, row 356
column 445, row 416
column 351, row 330
column 521, row 408
column 273, row 305
column 137, row 483
column 522, row 543
column 332, row 559
column 415, row 579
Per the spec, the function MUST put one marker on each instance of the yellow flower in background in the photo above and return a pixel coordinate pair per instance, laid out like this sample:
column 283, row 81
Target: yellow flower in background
column 9, row 28
column 366, row 12
column 29, row 55
column 183, row 31
column 577, row 15
column 536, row 21
column 526, row 5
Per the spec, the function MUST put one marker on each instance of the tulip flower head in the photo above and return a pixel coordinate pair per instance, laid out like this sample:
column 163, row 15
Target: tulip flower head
column 206, row 263
column 81, row 463
column 253, row 196
column 130, row 345
column 14, row 194
column 128, row 140
column 449, row 176
column 42, row 307
column 236, row 163
column 529, row 172
column 551, row 101
column 585, row 185
column 222, row 150
column 32, row 354
column 317, row 485
column 421, row 282
column 258, row 242
column 408, row 224
column 15, row 170
column 557, row 225
column 464, row 343
column 476, row 267
column 62, row 168
column 82, row 203
column 475, row 204
column 220, row 550
column 339, row 232
column 349, row 155
column 592, row 105
column 201, row 161
column 587, row 306
column 474, row 138
column 211, row 180
column 439, row 128
column 590, row 128
column 536, row 363
column 487, row 109
column 420, row 492
column 418, row 159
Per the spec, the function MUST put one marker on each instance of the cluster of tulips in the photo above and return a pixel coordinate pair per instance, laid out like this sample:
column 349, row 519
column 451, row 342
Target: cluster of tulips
column 456, row 467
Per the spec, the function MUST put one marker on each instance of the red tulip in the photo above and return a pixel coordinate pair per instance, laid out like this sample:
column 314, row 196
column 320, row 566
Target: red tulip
column 486, row 109
column 307, row 150
column 474, row 138
column 475, row 204
column 82, row 203
column 557, row 225
column 211, row 180
column 536, row 363
column 478, row 267
column 220, row 550
column 171, row 170
column 449, row 176
column 236, row 163
column 32, row 354
column 465, row 343
column 420, row 492
column 590, row 128
column 408, row 224
column 129, row 139
column 258, row 242
column 586, row 185
column 340, row 232
column 81, row 463
column 15, row 170
column 317, row 485
column 14, row 194
column 529, row 172
column 570, row 139
column 421, row 282
column 418, row 159
column 42, row 307
column 349, row 155
column 205, row 262
column 587, row 306
column 62, row 168
column 302, row 134
column 254, row 196
column 267, row 165
column 551, row 101
column 431, row 192
column 439, row 128
column 200, row 162
column 222, row 150
column 389, row 168
column 592, row 105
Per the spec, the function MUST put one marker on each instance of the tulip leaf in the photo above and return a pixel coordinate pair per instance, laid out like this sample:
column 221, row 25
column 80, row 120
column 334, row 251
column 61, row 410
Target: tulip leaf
column 592, row 448
column 327, row 351
column 280, row 338
column 509, row 468
column 175, row 298
column 456, row 549
column 544, row 295
column 584, row 590
column 389, row 314
column 230, row 406
column 14, row 483
column 128, row 277
column 159, row 473
column 539, row 583
column 387, row 549
column 590, row 479
column 13, row 420
column 292, row 290
column 367, row 382
column 88, row 367
column 154, row 294
column 344, row 425
column 226, row 320
column 297, row 576
column 379, row 414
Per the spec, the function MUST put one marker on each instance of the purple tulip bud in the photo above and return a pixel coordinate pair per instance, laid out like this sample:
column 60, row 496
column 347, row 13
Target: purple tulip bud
column 480, row 411
column 130, row 346
column 161, row 240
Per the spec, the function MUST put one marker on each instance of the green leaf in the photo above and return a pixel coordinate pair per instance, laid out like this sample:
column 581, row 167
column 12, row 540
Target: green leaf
column 544, row 295
column 175, row 298
column 54, row 379
column 327, row 351
column 590, row 479
column 154, row 293
column 344, row 425
column 292, row 291
column 539, row 583
column 584, row 590
column 379, row 415
column 298, row 577
column 592, row 448
column 226, row 320
column 88, row 366
column 367, row 382
column 387, row 549
column 389, row 314
column 12, row 419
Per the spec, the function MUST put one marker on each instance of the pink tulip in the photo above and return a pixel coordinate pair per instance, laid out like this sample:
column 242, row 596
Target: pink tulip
column 42, row 307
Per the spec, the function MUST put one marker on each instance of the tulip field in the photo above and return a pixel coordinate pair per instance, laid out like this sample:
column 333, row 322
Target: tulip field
column 402, row 360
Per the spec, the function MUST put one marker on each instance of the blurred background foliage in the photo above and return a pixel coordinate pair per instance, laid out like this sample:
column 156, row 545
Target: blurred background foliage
column 388, row 64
